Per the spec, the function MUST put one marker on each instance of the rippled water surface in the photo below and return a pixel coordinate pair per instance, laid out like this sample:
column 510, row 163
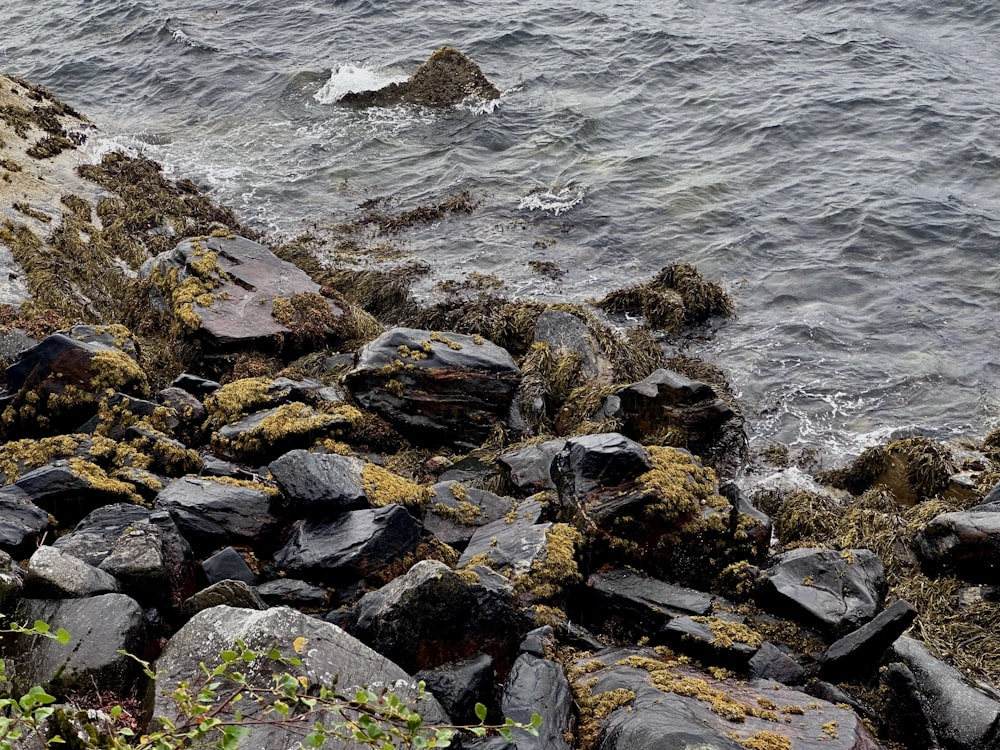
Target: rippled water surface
column 837, row 164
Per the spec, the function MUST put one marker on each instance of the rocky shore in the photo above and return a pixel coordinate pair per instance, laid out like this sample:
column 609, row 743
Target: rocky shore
column 207, row 439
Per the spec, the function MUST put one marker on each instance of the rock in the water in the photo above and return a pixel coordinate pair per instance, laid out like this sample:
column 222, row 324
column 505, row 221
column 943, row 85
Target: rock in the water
column 22, row 523
column 446, row 78
column 99, row 627
column 328, row 654
column 962, row 716
column 436, row 388
column 233, row 293
column 966, row 544
column 54, row 574
column 860, row 651
column 356, row 544
column 229, row 592
column 459, row 685
column 539, row 686
column 319, row 484
column 834, row 592
column 432, row 615
column 213, row 514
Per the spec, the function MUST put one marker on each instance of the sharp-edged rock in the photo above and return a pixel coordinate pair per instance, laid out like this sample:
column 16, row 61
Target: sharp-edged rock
column 860, row 651
column 54, row 574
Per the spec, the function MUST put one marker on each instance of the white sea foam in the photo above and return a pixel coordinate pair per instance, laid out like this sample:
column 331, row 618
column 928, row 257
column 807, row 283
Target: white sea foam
column 348, row 78
column 556, row 200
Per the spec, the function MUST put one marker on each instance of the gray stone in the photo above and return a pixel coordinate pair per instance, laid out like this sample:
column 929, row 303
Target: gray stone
column 22, row 523
column 227, row 564
column 319, row 484
column 966, row 544
column 456, row 511
column 54, row 574
column 94, row 537
column 229, row 592
column 530, row 468
column 293, row 593
column 538, row 686
column 509, row 545
column 459, row 685
column 771, row 663
column 860, row 651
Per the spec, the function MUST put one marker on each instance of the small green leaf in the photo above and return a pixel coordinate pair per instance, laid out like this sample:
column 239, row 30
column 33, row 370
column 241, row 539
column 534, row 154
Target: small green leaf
column 506, row 733
column 480, row 712
column 41, row 626
column 63, row 636
column 228, row 656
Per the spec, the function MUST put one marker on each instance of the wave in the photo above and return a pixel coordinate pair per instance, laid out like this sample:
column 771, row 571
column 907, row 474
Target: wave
column 351, row 78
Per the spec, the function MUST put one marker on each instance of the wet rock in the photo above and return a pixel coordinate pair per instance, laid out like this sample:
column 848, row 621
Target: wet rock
column 713, row 640
column 94, row 537
column 99, row 627
column 239, row 293
column 966, row 544
column 265, row 435
column 318, row 484
column 907, row 723
column 832, row 591
column 213, row 514
column 53, row 574
column 186, row 406
column 446, row 78
column 459, row 685
column 231, row 593
column 22, row 523
column 771, row 663
column 11, row 582
column 538, row 686
column 356, row 544
column 331, row 653
column 435, row 388
column 293, row 593
column 592, row 467
column 512, row 545
column 629, row 604
column 117, row 411
column 962, row 717
column 69, row 489
column 530, row 468
column 432, row 615
column 227, row 565
column 196, row 385
column 861, row 650
column 631, row 699
column 169, row 457
column 455, row 512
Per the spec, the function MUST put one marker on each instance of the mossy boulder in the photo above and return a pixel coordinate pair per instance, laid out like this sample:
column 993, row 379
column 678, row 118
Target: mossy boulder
column 446, row 78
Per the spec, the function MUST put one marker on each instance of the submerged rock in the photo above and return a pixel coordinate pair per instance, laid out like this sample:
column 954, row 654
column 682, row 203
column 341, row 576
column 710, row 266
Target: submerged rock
column 446, row 78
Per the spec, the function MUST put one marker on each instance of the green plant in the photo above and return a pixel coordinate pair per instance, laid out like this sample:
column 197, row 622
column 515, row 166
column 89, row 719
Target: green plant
column 221, row 707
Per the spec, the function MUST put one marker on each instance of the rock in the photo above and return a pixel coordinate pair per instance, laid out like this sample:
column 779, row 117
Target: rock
column 213, row 514
column 99, row 627
column 54, row 574
column 265, row 435
column 435, row 388
column 459, row 685
column 907, row 723
column 328, row 654
column 508, row 546
column 530, row 468
column 962, row 716
column 446, row 78
column 71, row 488
column 592, row 467
column 771, row 663
column 455, row 511
column 834, row 592
column 966, row 544
column 22, row 523
column 196, row 385
column 631, row 605
column 538, row 686
column 94, row 537
column 356, row 544
column 11, row 582
column 432, row 615
column 861, row 650
column 713, row 640
column 229, row 592
column 631, row 699
column 227, row 565
column 234, row 293
column 319, row 484
column 293, row 593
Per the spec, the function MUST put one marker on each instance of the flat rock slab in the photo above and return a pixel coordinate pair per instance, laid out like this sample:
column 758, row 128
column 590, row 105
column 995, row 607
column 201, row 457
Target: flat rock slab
column 456, row 511
column 436, row 388
column 509, row 545
column 530, row 468
column 861, row 650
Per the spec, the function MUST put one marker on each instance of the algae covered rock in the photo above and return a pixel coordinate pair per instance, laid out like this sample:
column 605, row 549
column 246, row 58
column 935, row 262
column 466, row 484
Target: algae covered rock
column 435, row 388
column 446, row 78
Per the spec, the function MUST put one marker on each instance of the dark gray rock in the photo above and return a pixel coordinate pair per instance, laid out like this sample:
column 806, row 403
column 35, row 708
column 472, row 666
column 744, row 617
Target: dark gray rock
column 63, row 489
column 962, row 716
column 595, row 466
column 252, row 277
column 510, row 545
column 435, row 388
column 319, row 484
column 11, row 582
column 860, row 651
column 832, row 591
column 446, row 78
column 456, row 511
column 227, row 565
column 530, row 468
column 432, row 615
column 99, row 627
column 22, row 523
column 357, row 544
column 229, row 592
column 907, row 723
column 538, row 686
column 54, row 574
column 196, row 385
column 330, row 654
column 94, row 537
column 771, row 663
column 213, row 514
column 459, row 685
column 966, row 544
column 265, row 435
column 705, row 639
column 293, row 593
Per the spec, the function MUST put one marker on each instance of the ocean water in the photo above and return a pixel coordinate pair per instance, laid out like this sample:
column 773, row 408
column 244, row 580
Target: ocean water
column 835, row 163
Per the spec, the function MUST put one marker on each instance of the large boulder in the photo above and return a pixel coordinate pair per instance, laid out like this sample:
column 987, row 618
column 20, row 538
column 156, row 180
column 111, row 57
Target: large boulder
column 446, row 78
column 328, row 656
column 54, row 574
column 319, row 484
column 436, row 388
column 965, row 543
column 539, row 686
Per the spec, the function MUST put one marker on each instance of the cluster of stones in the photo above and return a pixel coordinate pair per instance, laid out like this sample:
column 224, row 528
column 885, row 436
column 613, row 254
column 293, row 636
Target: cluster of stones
column 533, row 532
